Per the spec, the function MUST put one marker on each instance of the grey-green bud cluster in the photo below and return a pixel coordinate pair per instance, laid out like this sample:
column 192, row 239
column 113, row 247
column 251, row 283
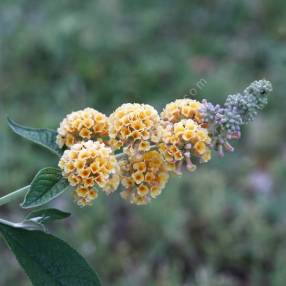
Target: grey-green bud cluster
column 224, row 122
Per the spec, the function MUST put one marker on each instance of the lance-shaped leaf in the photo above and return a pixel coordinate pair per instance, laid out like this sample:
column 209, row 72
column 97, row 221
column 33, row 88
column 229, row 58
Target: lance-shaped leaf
column 46, row 215
column 47, row 260
column 46, row 186
column 43, row 137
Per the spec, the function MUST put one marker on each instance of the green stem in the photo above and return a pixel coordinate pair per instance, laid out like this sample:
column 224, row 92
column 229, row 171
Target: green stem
column 120, row 155
column 14, row 195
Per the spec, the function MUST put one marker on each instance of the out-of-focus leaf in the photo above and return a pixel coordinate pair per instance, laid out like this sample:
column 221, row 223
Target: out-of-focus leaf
column 47, row 185
column 47, row 260
column 43, row 137
column 46, row 215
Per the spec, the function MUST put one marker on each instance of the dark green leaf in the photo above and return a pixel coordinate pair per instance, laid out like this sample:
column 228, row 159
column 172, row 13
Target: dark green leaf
column 47, row 185
column 47, row 215
column 47, row 260
column 43, row 137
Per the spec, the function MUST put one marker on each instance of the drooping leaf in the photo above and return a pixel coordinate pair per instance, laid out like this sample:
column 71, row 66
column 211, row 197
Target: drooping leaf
column 47, row 260
column 43, row 137
column 46, row 186
column 46, row 215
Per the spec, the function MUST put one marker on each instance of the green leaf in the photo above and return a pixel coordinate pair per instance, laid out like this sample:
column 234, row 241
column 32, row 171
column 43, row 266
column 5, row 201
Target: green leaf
column 46, row 215
column 46, row 186
column 43, row 137
column 47, row 260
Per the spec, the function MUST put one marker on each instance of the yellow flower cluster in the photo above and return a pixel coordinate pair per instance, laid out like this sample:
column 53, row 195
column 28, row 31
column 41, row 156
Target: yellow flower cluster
column 143, row 177
column 82, row 125
column 87, row 165
column 150, row 145
column 183, row 139
column 182, row 109
column 133, row 127
column 88, row 162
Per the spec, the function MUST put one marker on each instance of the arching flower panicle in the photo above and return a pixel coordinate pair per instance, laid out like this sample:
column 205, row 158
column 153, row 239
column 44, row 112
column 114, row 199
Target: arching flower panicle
column 83, row 125
column 89, row 165
column 134, row 127
column 143, row 177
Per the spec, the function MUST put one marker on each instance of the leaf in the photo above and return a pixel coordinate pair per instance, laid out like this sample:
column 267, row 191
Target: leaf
column 43, row 137
column 46, row 215
column 47, row 260
column 46, row 186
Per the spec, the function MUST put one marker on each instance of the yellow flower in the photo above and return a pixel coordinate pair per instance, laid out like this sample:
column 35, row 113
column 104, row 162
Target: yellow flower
column 80, row 126
column 85, row 196
column 143, row 176
column 112, row 184
column 182, row 109
column 142, row 190
column 183, row 140
column 206, row 156
column 141, row 166
column 85, row 133
column 133, row 126
column 138, row 177
column 79, row 164
column 88, row 165
column 188, row 135
column 144, row 146
column 200, row 148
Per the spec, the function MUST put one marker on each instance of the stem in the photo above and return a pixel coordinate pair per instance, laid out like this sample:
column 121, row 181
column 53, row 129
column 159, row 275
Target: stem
column 2, row 221
column 120, row 155
column 13, row 196
column 29, row 225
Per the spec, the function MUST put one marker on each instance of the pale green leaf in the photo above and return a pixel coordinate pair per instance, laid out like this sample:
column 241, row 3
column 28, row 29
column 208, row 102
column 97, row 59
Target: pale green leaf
column 46, row 186
column 43, row 137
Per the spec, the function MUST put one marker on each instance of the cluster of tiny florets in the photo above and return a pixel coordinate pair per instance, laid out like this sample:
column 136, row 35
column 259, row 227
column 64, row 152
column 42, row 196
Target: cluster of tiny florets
column 183, row 141
column 149, row 146
column 182, row 109
column 83, row 125
column 224, row 122
column 88, row 165
column 143, row 177
column 134, row 127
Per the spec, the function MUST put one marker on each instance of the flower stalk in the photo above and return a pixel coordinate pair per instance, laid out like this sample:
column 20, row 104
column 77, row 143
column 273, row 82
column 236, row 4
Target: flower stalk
column 137, row 147
column 14, row 195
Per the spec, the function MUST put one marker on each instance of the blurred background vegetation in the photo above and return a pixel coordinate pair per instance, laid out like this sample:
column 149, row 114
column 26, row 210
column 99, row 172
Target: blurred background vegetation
column 224, row 225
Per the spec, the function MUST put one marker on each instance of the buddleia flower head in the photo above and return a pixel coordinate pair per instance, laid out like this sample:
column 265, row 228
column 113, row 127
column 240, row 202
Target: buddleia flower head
column 83, row 125
column 134, row 127
column 88, row 166
column 182, row 109
column 143, row 177
column 183, row 141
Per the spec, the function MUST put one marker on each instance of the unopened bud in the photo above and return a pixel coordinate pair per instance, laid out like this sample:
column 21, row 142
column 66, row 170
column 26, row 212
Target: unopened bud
column 228, row 147
column 178, row 170
column 220, row 151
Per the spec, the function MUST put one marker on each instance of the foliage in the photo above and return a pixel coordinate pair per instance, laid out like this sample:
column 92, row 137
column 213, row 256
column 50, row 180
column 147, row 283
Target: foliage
column 46, row 259
column 46, row 215
column 226, row 225
column 47, row 185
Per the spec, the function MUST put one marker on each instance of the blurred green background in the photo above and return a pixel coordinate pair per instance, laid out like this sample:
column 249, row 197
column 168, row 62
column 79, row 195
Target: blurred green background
column 225, row 224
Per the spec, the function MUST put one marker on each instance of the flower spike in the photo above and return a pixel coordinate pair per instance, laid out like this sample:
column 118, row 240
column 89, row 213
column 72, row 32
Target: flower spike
column 224, row 122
